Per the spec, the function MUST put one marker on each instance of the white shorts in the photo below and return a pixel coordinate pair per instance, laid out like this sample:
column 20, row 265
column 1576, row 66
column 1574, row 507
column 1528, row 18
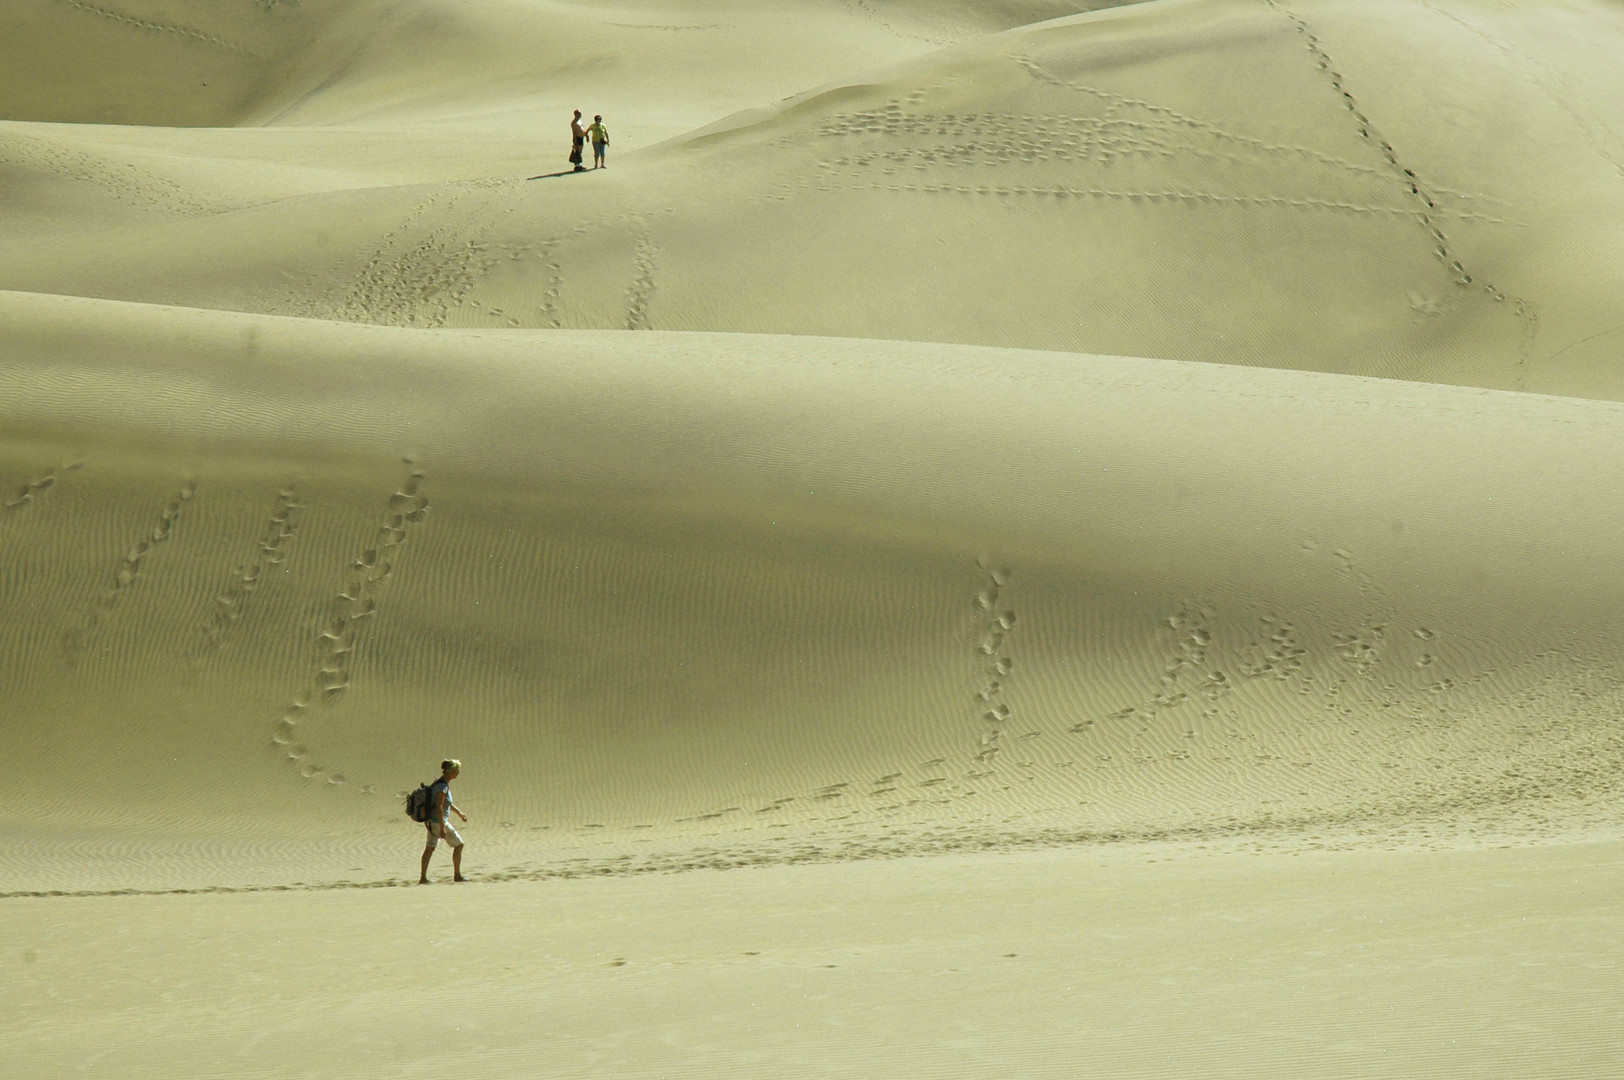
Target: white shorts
column 439, row 830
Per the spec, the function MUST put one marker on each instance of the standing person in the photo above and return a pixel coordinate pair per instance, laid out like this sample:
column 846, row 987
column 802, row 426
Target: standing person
column 439, row 828
column 577, row 142
column 600, row 141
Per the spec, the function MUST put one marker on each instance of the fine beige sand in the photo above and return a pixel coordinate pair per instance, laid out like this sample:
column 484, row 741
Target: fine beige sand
column 995, row 539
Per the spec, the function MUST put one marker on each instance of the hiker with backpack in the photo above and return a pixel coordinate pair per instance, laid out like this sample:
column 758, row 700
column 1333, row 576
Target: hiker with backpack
column 429, row 804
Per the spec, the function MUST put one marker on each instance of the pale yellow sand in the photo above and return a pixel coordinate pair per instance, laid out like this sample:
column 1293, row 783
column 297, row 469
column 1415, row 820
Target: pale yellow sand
column 1238, row 182
column 1054, row 964
column 968, row 453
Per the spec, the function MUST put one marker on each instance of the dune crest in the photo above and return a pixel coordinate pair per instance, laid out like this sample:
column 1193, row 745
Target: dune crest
column 1099, row 183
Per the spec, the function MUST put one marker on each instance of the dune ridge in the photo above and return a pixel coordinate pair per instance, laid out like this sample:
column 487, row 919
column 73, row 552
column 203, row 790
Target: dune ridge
column 1195, row 216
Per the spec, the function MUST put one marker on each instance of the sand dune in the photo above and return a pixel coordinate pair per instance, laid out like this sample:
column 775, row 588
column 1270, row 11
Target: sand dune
column 981, row 446
column 299, row 62
column 1101, row 183
column 656, row 579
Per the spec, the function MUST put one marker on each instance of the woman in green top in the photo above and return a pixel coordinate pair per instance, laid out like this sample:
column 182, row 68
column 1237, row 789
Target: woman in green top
column 600, row 140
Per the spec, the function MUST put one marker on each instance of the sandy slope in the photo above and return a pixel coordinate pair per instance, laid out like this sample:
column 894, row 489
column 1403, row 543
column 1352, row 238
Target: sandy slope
column 1102, row 183
column 664, row 579
column 835, row 480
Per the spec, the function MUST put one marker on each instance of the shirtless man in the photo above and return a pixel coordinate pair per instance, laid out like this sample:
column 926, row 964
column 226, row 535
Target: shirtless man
column 439, row 828
column 577, row 142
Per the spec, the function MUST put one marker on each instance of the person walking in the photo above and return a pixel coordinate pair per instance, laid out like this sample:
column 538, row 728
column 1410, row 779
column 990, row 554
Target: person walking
column 600, row 141
column 439, row 827
column 577, row 142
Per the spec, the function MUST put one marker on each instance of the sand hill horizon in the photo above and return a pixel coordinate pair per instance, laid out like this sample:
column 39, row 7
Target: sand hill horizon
column 1269, row 220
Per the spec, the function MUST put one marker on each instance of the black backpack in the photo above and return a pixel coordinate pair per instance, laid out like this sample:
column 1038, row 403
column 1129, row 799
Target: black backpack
column 419, row 802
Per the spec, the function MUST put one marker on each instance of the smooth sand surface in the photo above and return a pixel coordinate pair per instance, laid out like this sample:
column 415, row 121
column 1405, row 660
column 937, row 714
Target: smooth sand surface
column 1053, row 964
column 996, row 539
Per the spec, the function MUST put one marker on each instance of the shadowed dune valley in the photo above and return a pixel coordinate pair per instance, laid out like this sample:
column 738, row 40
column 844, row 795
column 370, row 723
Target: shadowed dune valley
column 992, row 538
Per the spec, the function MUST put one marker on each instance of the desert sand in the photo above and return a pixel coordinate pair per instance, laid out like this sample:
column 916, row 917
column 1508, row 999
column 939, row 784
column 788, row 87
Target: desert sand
column 995, row 539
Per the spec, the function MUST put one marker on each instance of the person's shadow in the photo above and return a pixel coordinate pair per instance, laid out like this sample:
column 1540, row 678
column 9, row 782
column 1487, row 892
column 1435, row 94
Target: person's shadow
column 566, row 172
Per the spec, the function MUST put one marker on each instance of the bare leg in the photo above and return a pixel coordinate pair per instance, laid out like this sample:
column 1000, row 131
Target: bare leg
column 423, row 875
column 456, row 864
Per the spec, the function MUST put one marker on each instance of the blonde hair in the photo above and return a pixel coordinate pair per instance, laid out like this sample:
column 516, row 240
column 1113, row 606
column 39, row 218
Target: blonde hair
column 450, row 763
